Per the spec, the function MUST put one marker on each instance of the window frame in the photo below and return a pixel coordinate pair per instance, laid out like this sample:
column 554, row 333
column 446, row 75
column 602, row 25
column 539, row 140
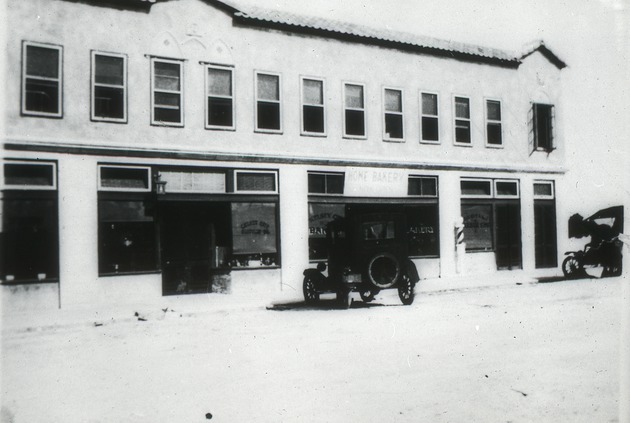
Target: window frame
column 401, row 113
column 59, row 80
column 51, row 164
column 477, row 196
column 423, row 115
column 363, row 110
column 94, row 84
column 261, row 171
column 257, row 100
column 421, row 177
column 325, row 174
column 507, row 196
column 489, row 121
column 207, row 96
column 468, row 119
column 303, row 132
column 180, row 63
column 119, row 189
column 545, row 197
column 535, row 130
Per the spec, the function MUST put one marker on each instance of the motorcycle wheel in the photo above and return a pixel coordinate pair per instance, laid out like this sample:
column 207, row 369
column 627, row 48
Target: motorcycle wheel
column 571, row 267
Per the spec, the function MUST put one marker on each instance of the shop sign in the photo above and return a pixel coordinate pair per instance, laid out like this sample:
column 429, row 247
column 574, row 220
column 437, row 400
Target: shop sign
column 371, row 182
column 319, row 215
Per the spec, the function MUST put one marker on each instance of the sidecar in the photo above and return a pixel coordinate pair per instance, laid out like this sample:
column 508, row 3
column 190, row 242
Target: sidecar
column 604, row 248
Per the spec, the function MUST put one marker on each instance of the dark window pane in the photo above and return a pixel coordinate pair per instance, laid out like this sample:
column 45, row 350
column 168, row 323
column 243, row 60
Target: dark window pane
column 109, row 102
column 429, row 187
column 494, row 110
column 422, row 230
column 319, row 215
column 462, row 107
column 167, row 99
column 507, row 188
column 313, row 119
column 42, row 96
column 355, row 123
column 109, row 70
column 42, row 61
column 255, row 181
column 167, row 115
column 268, row 115
column 422, row 186
column 476, row 188
column 316, row 183
column 430, row 131
column 543, row 126
column 24, row 174
column 30, row 242
column 394, row 126
column 167, row 76
column 220, row 111
column 462, row 131
column 127, row 178
column 335, row 184
column 494, row 134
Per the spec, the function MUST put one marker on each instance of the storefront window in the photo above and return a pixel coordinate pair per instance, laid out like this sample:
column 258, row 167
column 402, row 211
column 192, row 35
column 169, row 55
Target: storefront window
column 477, row 226
column 127, row 237
column 254, row 234
column 319, row 215
column 422, row 230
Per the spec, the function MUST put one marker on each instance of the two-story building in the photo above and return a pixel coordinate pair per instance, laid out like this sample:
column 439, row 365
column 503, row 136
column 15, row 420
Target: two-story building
column 156, row 147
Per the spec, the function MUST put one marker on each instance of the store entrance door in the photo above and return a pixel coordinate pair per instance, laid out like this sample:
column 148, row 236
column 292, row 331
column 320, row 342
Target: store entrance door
column 188, row 237
column 508, row 236
column 545, row 233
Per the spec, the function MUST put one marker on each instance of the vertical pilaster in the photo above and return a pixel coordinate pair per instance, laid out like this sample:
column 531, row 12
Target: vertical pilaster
column 450, row 211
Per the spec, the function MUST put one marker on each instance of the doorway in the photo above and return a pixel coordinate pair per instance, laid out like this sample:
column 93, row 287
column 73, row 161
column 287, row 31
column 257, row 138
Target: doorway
column 545, row 233
column 190, row 234
column 508, row 235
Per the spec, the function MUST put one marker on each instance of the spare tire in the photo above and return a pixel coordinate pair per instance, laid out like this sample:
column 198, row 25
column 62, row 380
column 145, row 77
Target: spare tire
column 383, row 270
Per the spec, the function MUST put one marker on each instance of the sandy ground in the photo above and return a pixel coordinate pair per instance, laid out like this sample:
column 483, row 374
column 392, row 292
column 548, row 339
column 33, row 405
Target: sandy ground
column 514, row 353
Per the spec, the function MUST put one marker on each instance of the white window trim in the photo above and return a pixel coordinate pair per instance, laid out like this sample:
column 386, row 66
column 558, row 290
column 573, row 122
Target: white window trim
column 546, row 197
column 179, row 124
column 208, row 66
column 59, row 80
column 488, row 180
column 322, row 106
column 94, row 84
column 52, row 187
column 237, row 171
column 487, row 121
column 317, row 172
column 455, row 119
column 364, row 110
column 146, row 168
column 401, row 113
column 496, row 191
column 256, row 100
column 435, row 178
column 422, row 115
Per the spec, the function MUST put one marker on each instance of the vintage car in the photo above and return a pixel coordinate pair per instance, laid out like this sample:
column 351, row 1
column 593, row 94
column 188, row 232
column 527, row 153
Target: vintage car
column 367, row 252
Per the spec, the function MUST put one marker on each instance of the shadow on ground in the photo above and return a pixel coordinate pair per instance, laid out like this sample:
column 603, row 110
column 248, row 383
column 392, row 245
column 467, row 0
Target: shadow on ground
column 325, row 305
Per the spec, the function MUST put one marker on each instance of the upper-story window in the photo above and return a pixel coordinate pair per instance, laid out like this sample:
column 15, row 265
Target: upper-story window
column 268, row 102
column 109, row 87
column 41, row 79
column 167, row 95
column 220, row 97
column 494, row 135
column 313, row 112
column 393, row 114
column 430, row 127
column 354, row 111
column 542, row 126
column 462, row 120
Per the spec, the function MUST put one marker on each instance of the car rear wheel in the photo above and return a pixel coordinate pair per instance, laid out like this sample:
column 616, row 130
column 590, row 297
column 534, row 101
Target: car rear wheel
column 383, row 270
column 406, row 290
column 310, row 293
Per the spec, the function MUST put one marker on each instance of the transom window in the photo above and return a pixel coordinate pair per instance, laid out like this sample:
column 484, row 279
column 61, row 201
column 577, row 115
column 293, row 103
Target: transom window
column 325, row 183
column 41, row 79
column 430, row 127
column 489, row 188
column 167, row 93
column 544, row 190
column 220, row 97
column 268, row 102
column 124, row 178
column 422, row 186
column 25, row 175
column 354, row 111
column 462, row 120
column 256, row 181
column 313, row 113
column 393, row 114
column 109, row 87
column 494, row 135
